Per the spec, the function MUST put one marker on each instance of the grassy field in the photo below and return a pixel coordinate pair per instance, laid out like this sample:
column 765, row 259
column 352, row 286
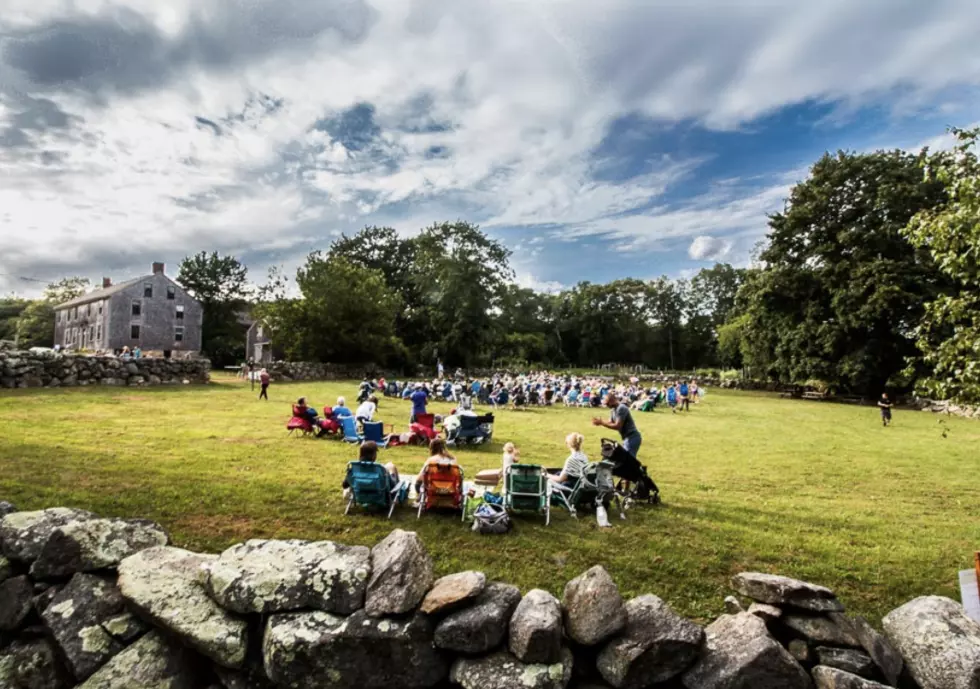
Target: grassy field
column 750, row 482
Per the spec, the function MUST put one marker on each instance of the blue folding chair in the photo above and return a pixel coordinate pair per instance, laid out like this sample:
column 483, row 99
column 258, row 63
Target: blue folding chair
column 371, row 486
column 351, row 435
column 375, row 430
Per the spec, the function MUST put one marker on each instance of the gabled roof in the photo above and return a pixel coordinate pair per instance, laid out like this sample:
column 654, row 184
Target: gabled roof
column 100, row 294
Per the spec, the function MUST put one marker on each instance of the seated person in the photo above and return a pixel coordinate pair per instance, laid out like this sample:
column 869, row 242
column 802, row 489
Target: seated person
column 369, row 453
column 304, row 411
column 438, row 453
column 341, row 409
column 365, row 412
column 575, row 464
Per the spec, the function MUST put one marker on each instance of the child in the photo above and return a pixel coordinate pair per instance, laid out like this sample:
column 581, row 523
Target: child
column 672, row 398
column 885, row 405
column 511, row 455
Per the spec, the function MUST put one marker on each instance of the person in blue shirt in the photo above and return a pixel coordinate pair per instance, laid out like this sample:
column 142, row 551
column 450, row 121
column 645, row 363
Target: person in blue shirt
column 340, row 409
column 419, row 399
column 672, row 398
column 476, row 389
column 685, row 395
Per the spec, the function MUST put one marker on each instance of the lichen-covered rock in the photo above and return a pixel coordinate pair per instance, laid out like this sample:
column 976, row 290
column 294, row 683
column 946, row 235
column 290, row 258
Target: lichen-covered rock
column 504, row 671
column 163, row 585
column 832, row 678
column 6, row 508
column 888, row 660
column 453, row 591
column 150, row 663
column 125, row 626
column 740, row 654
column 319, row 650
column 6, row 569
column 536, row 629
column 23, row 534
column 820, row 630
column 593, row 608
column 779, row 590
column 481, row 627
column 94, row 544
column 733, row 606
column 765, row 612
column 801, row 651
column 43, row 599
column 30, row 665
column 847, row 659
column 279, row 576
column 250, row 677
column 940, row 644
column 75, row 617
column 16, row 598
column 656, row 645
column 401, row 574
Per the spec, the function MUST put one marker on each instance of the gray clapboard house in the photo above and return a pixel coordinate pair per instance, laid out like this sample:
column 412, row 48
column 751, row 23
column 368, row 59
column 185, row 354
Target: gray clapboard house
column 152, row 312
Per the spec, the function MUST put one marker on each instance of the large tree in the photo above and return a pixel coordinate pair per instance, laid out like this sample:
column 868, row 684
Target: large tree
column 35, row 325
column 949, row 332
column 346, row 314
column 843, row 289
column 220, row 283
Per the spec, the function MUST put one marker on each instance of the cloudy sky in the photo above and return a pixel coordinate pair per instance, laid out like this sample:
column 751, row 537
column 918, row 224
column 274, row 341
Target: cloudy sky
column 596, row 139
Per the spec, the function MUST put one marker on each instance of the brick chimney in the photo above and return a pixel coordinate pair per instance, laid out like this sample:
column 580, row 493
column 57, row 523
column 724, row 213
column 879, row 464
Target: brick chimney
column 158, row 269
column 106, row 283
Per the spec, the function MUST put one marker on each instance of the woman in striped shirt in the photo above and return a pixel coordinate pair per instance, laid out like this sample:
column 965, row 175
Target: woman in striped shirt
column 576, row 462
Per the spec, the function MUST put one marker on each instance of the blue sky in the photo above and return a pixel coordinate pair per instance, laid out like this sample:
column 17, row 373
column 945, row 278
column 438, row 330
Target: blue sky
column 597, row 140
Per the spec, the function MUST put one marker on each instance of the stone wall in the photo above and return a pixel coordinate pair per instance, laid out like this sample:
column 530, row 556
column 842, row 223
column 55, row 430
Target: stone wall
column 35, row 369
column 108, row 604
column 311, row 370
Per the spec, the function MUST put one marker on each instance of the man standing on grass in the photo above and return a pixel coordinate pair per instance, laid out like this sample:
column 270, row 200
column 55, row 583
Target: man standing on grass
column 621, row 420
column 419, row 398
column 885, row 405
column 685, row 396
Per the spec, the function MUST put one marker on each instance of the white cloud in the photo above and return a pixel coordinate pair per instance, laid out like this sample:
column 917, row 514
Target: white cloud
column 705, row 248
column 528, row 90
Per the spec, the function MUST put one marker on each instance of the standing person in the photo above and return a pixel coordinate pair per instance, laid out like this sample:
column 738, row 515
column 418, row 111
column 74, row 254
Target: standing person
column 365, row 412
column 440, row 370
column 419, row 399
column 264, row 381
column 685, row 395
column 885, row 405
column 621, row 420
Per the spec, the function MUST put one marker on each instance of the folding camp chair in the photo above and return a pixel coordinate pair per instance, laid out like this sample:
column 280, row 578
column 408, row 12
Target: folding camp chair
column 470, row 430
column 375, row 430
column 594, row 487
column 527, row 490
column 442, row 487
column 371, row 486
column 351, row 435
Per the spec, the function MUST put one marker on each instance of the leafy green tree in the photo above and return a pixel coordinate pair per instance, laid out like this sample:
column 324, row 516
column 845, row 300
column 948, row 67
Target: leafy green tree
column 65, row 289
column 460, row 274
column 220, row 283
column 346, row 314
column 949, row 332
column 10, row 310
column 842, row 289
column 35, row 326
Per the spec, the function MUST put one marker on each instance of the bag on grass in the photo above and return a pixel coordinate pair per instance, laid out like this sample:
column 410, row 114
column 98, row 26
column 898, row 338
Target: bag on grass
column 491, row 519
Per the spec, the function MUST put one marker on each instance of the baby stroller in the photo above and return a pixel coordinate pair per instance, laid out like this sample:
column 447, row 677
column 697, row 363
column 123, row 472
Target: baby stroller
column 372, row 486
column 596, row 486
column 442, row 488
column 635, row 484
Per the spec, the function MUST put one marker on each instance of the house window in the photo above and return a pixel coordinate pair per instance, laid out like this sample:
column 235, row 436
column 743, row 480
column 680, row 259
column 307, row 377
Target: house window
column 147, row 290
column 137, row 308
column 91, row 333
column 72, row 314
column 171, row 292
column 179, row 334
column 98, row 332
column 258, row 331
column 100, row 307
column 180, row 313
column 134, row 331
column 67, row 337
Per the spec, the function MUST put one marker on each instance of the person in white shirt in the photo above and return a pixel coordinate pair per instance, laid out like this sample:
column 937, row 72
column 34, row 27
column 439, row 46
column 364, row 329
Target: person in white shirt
column 365, row 412
column 576, row 462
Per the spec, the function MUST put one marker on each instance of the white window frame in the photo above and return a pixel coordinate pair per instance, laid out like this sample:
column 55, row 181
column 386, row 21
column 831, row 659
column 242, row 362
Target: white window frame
column 134, row 316
column 178, row 330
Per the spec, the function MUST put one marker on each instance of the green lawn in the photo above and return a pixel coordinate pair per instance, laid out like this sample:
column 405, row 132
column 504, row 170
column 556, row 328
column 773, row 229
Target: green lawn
column 751, row 482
